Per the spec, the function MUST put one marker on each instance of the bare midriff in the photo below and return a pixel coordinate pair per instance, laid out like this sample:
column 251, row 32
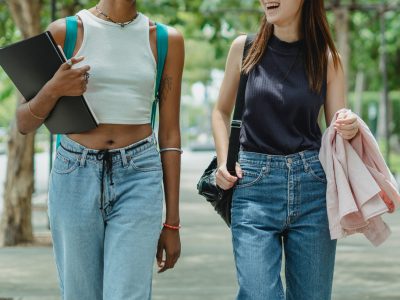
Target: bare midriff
column 112, row 136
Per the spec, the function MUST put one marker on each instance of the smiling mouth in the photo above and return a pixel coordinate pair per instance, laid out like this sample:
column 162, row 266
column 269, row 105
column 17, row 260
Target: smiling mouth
column 272, row 5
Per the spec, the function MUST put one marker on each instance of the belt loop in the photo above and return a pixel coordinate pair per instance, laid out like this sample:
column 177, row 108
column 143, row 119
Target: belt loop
column 152, row 139
column 123, row 157
column 83, row 157
column 303, row 158
column 269, row 158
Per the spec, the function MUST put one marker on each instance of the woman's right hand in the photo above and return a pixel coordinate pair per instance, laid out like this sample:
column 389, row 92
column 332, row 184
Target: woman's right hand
column 69, row 82
column 224, row 179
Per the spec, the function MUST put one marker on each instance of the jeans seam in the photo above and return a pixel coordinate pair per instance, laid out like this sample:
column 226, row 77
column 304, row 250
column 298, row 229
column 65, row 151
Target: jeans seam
column 264, row 172
column 74, row 166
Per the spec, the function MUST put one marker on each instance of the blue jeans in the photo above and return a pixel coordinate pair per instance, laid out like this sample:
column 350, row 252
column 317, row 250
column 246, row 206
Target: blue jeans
column 105, row 210
column 280, row 204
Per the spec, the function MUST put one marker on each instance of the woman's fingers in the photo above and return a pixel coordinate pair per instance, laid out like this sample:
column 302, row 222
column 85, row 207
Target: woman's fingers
column 70, row 62
column 225, row 180
column 347, row 125
column 159, row 255
column 223, row 183
column 226, row 175
column 170, row 261
column 346, row 121
column 239, row 171
column 83, row 70
column 75, row 60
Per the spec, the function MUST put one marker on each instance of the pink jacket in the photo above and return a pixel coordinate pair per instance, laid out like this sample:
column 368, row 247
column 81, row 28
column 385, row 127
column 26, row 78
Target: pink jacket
column 360, row 186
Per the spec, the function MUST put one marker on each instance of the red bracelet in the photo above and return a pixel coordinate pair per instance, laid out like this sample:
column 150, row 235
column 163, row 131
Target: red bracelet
column 171, row 226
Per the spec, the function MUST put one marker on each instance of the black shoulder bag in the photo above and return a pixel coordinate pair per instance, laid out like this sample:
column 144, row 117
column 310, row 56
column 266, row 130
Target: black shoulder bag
column 221, row 199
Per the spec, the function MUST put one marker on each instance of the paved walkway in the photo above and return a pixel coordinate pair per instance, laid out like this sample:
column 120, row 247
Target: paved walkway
column 206, row 269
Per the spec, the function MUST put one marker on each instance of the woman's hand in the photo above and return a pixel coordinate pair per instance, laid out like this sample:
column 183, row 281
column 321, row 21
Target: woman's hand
column 224, row 179
column 347, row 125
column 170, row 243
column 69, row 82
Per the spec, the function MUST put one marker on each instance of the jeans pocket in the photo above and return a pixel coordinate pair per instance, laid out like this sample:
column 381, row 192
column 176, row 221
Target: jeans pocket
column 148, row 160
column 252, row 173
column 315, row 170
column 64, row 165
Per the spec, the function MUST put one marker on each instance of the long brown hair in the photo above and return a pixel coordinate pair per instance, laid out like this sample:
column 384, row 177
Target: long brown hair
column 317, row 41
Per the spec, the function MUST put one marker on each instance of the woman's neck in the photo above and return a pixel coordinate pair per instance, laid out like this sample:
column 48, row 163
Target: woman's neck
column 289, row 31
column 118, row 10
column 286, row 35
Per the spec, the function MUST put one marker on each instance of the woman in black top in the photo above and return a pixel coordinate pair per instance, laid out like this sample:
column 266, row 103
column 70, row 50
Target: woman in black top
column 279, row 199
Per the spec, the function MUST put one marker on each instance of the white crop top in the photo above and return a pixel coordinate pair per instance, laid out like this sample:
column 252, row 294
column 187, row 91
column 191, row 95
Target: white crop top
column 122, row 69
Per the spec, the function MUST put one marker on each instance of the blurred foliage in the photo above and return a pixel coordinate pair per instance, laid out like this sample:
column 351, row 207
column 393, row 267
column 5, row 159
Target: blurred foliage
column 370, row 110
column 210, row 25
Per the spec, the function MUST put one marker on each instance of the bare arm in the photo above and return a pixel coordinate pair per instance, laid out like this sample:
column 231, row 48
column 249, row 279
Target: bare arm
column 335, row 94
column 170, row 137
column 66, row 82
column 346, row 124
column 223, row 110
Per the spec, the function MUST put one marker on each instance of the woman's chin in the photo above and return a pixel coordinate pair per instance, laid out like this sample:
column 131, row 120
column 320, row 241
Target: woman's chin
column 273, row 19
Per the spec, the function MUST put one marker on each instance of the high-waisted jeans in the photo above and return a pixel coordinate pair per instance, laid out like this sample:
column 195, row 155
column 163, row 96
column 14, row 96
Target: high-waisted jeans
column 280, row 203
column 105, row 210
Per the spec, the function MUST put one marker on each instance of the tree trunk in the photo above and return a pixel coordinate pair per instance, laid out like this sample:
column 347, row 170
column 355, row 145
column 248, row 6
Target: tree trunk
column 358, row 93
column 384, row 107
column 16, row 225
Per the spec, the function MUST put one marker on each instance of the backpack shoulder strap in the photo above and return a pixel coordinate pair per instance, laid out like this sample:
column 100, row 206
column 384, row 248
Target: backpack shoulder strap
column 162, row 51
column 71, row 34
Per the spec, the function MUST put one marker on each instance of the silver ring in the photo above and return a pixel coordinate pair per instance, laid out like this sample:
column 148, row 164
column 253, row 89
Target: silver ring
column 69, row 62
column 86, row 75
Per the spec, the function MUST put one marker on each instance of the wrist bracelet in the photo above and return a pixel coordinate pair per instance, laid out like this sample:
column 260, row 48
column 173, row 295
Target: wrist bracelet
column 171, row 149
column 33, row 115
column 171, row 226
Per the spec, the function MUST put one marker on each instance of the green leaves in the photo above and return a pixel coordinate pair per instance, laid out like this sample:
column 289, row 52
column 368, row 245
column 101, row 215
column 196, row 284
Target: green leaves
column 209, row 26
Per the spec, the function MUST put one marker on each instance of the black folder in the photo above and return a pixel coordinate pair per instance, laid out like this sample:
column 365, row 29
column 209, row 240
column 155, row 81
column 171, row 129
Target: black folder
column 30, row 64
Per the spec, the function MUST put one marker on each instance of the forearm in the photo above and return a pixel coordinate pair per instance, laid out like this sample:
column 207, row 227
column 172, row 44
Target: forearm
column 40, row 106
column 171, row 162
column 221, row 130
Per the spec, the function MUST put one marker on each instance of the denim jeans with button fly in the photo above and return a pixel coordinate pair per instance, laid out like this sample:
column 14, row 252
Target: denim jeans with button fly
column 279, row 205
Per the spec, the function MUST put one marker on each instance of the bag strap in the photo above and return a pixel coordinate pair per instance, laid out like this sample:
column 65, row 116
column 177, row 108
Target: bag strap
column 71, row 34
column 236, row 125
column 162, row 50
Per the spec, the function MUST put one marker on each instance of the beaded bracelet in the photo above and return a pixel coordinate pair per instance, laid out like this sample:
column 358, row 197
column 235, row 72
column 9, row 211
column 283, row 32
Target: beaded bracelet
column 171, row 226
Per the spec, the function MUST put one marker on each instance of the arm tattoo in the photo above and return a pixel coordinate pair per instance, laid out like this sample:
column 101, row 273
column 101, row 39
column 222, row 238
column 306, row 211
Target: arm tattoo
column 166, row 86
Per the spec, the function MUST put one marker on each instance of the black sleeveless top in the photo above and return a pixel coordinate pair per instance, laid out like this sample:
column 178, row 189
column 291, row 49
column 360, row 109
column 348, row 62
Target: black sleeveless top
column 281, row 112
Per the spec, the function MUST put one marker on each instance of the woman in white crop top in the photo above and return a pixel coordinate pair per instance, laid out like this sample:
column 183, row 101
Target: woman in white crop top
column 107, row 185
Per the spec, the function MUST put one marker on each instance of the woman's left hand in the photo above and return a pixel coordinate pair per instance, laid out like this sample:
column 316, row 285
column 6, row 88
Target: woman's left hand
column 347, row 125
column 170, row 243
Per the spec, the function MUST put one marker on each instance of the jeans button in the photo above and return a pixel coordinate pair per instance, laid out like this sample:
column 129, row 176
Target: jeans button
column 289, row 160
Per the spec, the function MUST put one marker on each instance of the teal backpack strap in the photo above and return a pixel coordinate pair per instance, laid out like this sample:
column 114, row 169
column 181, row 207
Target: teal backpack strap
column 162, row 50
column 71, row 34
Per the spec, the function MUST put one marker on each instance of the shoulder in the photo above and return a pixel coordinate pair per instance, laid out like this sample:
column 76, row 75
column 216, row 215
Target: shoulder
column 58, row 30
column 335, row 68
column 175, row 37
column 238, row 44
column 235, row 55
